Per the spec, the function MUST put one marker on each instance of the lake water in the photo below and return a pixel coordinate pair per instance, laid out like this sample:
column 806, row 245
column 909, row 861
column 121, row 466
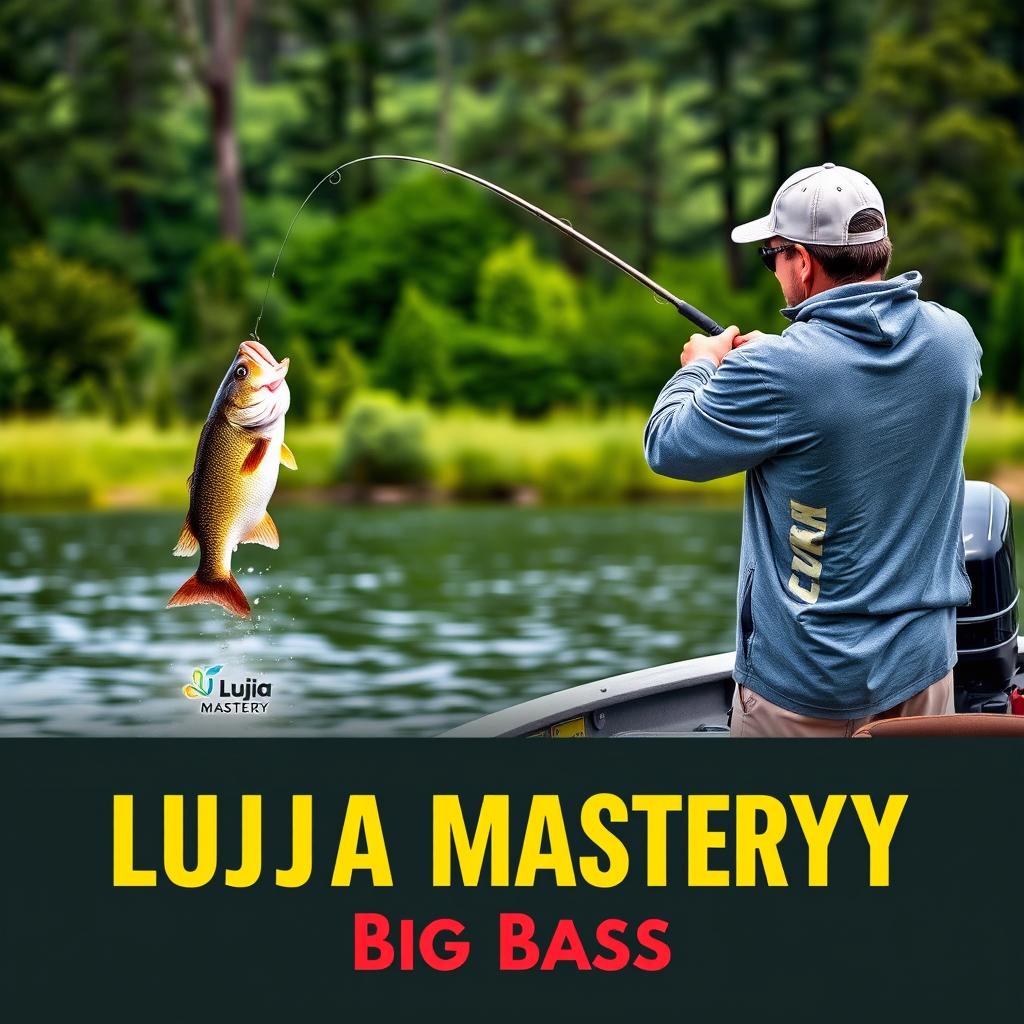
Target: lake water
column 369, row 621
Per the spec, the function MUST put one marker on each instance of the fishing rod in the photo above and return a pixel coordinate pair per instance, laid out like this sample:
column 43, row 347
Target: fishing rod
column 702, row 320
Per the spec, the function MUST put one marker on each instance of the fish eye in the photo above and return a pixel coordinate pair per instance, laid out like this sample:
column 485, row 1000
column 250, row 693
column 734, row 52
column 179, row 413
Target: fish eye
column 242, row 372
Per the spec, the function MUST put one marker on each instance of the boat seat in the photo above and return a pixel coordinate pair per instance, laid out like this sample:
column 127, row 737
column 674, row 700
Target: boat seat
column 943, row 725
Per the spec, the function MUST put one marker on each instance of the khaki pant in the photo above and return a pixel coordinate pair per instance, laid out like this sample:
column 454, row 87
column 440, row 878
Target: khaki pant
column 753, row 716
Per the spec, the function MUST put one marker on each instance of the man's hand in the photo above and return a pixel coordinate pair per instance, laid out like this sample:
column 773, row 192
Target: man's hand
column 700, row 346
column 742, row 339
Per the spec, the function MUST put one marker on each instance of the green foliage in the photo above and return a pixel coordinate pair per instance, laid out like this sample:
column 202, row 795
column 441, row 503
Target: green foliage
column 525, row 296
column 431, row 353
column 415, row 355
column 303, row 379
column 163, row 405
column 343, row 377
column 562, row 458
column 213, row 320
column 215, row 308
column 12, row 370
column 121, row 404
column 88, row 399
column 1003, row 360
column 426, row 230
column 484, row 473
column 631, row 343
column 929, row 132
column 652, row 141
column 125, row 82
column 384, row 443
column 498, row 371
column 32, row 92
column 69, row 322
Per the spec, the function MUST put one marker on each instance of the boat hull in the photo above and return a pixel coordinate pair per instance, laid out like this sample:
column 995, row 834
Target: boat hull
column 685, row 698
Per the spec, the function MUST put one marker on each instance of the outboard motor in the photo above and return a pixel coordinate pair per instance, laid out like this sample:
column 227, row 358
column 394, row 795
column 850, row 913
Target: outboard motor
column 986, row 629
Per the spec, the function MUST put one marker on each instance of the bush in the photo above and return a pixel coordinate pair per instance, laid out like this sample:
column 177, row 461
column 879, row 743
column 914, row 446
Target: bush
column 69, row 321
column 197, row 377
column 384, row 443
column 215, row 308
column 122, row 403
column 162, row 405
column 303, row 380
column 12, row 371
column 431, row 353
column 630, row 343
column 1003, row 361
column 427, row 229
column 483, row 473
column 344, row 375
column 152, row 370
column 525, row 296
column 497, row 371
column 415, row 355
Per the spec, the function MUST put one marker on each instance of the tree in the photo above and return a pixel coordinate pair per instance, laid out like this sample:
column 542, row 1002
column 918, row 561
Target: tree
column 527, row 297
column 836, row 40
column 1003, row 362
column 445, row 81
column 415, row 359
column 12, row 371
column 718, row 37
column 553, row 56
column 124, row 74
column 926, row 132
column 215, row 65
column 349, row 51
column 69, row 322
column 33, row 39
column 323, row 72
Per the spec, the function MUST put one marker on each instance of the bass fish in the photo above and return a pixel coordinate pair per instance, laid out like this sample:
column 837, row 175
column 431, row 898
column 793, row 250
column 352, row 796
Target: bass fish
column 240, row 449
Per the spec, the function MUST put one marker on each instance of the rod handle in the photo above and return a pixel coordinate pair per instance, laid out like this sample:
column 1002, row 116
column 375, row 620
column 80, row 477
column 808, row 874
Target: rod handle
column 702, row 320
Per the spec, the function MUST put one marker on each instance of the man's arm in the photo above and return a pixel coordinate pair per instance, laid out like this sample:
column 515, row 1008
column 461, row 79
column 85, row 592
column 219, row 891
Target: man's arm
column 713, row 420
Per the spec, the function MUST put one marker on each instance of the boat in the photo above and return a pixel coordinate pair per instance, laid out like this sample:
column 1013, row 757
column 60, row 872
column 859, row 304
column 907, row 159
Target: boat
column 692, row 698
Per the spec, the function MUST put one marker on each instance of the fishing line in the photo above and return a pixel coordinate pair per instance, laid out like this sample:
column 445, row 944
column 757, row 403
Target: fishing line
column 702, row 320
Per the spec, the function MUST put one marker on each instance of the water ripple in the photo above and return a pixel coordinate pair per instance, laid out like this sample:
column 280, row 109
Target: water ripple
column 369, row 622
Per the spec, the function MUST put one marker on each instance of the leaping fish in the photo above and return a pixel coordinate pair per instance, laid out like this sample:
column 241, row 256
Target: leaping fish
column 240, row 449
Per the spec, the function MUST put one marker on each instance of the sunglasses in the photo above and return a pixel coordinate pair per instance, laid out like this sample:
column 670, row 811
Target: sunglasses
column 768, row 254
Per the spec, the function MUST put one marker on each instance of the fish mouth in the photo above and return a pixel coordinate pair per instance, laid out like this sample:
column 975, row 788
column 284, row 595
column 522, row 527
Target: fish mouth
column 260, row 355
column 259, row 352
column 282, row 371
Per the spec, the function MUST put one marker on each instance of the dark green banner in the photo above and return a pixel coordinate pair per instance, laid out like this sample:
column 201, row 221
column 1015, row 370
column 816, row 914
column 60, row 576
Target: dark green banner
column 510, row 879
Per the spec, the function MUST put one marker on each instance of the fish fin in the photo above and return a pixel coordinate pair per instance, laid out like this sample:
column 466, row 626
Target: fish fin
column 225, row 592
column 287, row 459
column 264, row 532
column 255, row 457
column 187, row 544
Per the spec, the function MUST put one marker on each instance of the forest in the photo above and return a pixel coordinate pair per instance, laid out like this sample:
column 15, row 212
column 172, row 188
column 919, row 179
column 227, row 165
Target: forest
column 154, row 152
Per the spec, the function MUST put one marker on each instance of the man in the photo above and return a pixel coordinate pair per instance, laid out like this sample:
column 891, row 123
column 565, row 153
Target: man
column 851, row 424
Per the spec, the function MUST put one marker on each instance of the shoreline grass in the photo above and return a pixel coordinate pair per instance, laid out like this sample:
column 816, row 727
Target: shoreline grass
column 568, row 457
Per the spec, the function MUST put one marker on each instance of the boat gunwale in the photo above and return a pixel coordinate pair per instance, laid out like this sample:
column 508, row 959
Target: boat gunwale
column 575, row 701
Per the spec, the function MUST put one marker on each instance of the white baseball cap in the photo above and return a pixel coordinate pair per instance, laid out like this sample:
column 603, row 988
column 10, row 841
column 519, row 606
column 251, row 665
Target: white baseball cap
column 815, row 206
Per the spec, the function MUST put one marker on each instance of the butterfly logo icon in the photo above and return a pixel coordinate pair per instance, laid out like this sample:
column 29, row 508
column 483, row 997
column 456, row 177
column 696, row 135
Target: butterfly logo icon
column 202, row 683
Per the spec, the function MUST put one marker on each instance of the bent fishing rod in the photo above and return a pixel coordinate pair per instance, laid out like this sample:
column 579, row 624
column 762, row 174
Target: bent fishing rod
column 702, row 320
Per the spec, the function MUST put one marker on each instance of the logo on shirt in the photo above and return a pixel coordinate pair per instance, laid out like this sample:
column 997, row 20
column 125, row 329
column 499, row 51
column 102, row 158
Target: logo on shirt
column 806, row 539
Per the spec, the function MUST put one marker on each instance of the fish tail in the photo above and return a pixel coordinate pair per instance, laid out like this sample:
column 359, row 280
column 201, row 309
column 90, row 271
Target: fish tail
column 225, row 591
